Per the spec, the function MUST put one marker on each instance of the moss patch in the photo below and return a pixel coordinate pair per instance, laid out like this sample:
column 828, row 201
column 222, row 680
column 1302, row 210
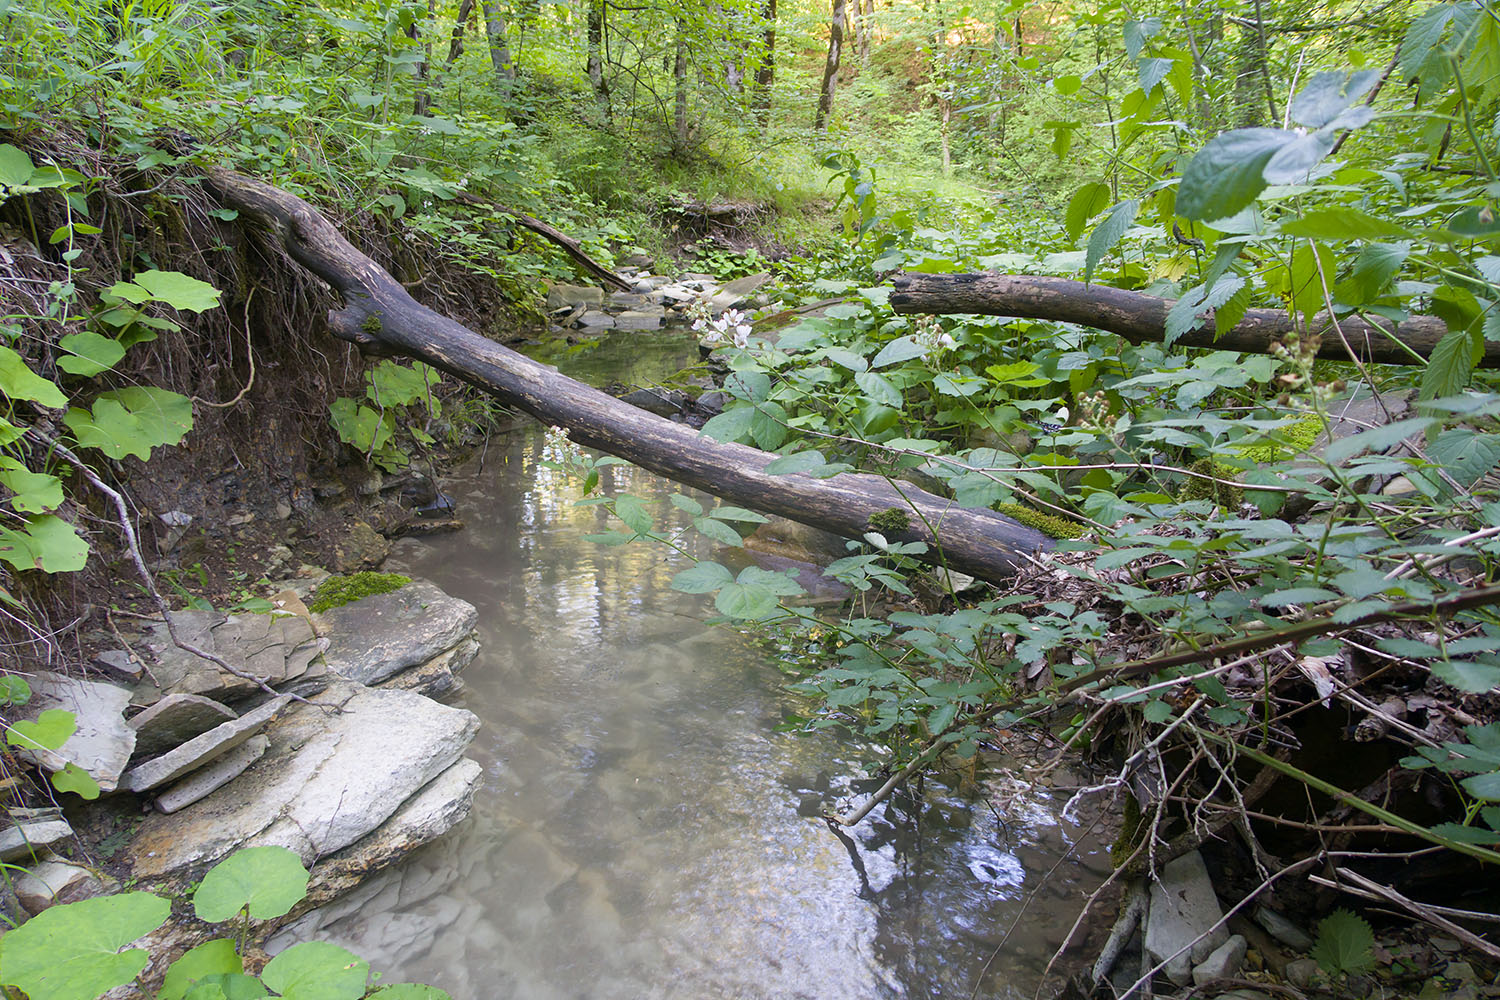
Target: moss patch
column 1048, row 524
column 890, row 522
column 336, row 591
column 1297, row 438
column 1196, row 488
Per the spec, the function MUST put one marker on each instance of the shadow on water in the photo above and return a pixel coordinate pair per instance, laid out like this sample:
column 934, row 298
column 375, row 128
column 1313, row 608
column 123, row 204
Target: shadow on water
column 643, row 830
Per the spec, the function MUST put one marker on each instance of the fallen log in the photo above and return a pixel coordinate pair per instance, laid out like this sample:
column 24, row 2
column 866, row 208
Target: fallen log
column 567, row 243
column 1142, row 319
column 378, row 312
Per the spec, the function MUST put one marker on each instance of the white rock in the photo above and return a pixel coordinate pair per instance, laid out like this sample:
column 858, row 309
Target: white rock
column 202, row 749
column 1222, row 963
column 27, row 840
column 376, row 637
column 210, row 778
column 102, row 743
column 1183, row 908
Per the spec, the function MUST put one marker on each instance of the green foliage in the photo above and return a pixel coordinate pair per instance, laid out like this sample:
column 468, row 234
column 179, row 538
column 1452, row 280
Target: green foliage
column 336, row 591
column 1048, row 524
column 72, row 951
column 1344, row 944
column 400, row 401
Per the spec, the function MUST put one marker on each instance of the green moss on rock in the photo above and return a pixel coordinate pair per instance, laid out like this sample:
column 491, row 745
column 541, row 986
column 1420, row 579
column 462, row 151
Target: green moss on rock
column 890, row 522
column 1048, row 524
column 1297, row 438
column 1197, row 488
column 336, row 591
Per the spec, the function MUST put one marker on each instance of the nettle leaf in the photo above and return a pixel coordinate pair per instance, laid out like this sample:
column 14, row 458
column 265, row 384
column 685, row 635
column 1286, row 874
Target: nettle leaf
column 704, row 578
column 89, row 353
column 1345, row 944
column 632, row 510
column 1451, row 364
column 45, row 542
column 718, row 531
column 72, row 951
column 1136, row 32
column 1464, row 452
column 1472, row 678
column 1151, row 72
column 1109, row 232
column 267, row 880
column 1087, row 202
column 1342, row 224
column 1425, row 32
column 211, row 958
column 1183, row 316
column 19, row 382
column 1373, row 270
column 34, row 492
column 1228, row 173
column 317, row 970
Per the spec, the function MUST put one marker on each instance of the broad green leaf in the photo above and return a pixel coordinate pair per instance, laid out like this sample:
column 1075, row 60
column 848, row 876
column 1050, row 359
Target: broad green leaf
column 362, row 428
column 132, row 421
column 718, row 531
column 1373, row 270
column 1150, row 72
column 1294, row 161
column 878, row 388
column 704, row 578
column 1087, row 202
column 1137, row 31
column 75, row 779
column 1327, row 95
column 16, row 167
column 1469, row 677
column 268, row 880
column 393, row 384
column 731, row 425
column 317, row 970
column 901, row 349
column 780, row 584
column 1483, row 786
column 14, row 690
column 683, row 503
column 801, row 461
column 1345, row 944
column 1475, row 223
column 19, row 382
column 49, row 731
column 746, row 601
column 45, row 542
column 728, row 513
column 1105, row 235
column 1451, row 364
column 1425, row 31
column 72, row 952
column 89, row 353
column 1183, row 316
column 174, row 288
column 34, row 492
column 1465, row 453
column 1228, row 173
column 1342, row 224
column 216, row 957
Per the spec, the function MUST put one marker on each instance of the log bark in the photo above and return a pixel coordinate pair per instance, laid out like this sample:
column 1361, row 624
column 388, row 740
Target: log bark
column 1142, row 319
column 379, row 313
column 568, row 245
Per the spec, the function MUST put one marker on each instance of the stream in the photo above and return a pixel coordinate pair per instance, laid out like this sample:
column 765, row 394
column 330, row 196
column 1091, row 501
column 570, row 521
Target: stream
column 644, row 830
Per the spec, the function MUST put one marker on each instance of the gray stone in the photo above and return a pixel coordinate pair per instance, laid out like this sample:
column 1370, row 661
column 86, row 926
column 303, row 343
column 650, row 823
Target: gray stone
column 1222, row 963
column 596, row 320
column 102, row 742
column 174, row 526
column 201, row 749
column 276, row 647
column 211, row 777
column 49, row 883
column 638, row 319
column 176, row 719
column 28, row 839
column 1183, row 909
column 564, row 296
column 362, row 548
column 1302, row 972
column 1283, row 930
column 439, row 675
column 628, row 300
column 327, row 780
column 120, row 664
column 375, row 637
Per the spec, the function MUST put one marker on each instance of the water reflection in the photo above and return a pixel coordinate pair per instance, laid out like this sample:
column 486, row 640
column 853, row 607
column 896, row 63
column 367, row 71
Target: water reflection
column 643, row 830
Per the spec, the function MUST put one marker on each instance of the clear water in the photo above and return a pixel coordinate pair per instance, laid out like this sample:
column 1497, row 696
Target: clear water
column 643, row 830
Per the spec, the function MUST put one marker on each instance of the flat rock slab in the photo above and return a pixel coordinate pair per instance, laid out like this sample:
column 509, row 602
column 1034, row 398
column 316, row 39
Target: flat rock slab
column 176, row 719
column 328, row 779
column 211, row 777
column 49, row 883
column 203, row 749
column 278, row 647
column 564, row 296
column 28, row 839
column 375, row 637
column 102, row 743
column 439, row 675
column 638, row 320
column 1183, row 908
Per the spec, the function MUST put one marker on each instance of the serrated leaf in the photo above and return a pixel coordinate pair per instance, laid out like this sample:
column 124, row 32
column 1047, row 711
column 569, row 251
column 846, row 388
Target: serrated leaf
column 1328, row 94
column 746, row 601
column 268, row 880
column 73, row 951
column 1227, row 174
column 704, row 578
column 1183, row 316
column 1451, row 364
column 317, row 970
column 1109, row 232
column 1087, row 202
column 632, row 510
column 1466, row 454
column 19, row 382
column 1345, row 944
column 1150, row 72
column 801, row 461
column 718, row 531
column 1425, row 32
column 89, row 353
column 1483, row 786
column 687, row 504
column 1469, row 677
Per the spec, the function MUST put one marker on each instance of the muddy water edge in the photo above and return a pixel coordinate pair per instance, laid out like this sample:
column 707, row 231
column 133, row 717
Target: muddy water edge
column 644, row 830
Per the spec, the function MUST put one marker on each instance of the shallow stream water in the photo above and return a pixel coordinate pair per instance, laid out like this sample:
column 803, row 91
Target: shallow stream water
column 645, row 832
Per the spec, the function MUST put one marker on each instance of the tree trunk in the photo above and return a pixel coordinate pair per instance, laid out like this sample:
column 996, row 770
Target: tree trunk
column 460, row 22
column 765, row 76
column 421, row 102
column 680, row 79
column 831, row 68
column 596, row 57
column 495, row 35
column 1142, row 319
column 378, row 313
column 864, row 12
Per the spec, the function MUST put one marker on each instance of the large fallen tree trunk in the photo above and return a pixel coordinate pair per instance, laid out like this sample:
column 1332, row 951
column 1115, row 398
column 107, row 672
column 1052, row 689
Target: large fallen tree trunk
column 1142, row 319
column 379, row 313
